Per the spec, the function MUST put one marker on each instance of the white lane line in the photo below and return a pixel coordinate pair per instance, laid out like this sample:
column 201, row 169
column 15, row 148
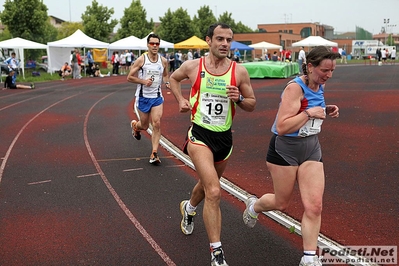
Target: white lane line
column 121, row 204
column 39, row 182
column 133, row 169
column 88, row 175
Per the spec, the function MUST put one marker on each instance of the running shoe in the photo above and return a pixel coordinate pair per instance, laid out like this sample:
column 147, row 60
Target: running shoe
column 316, row 261
column 217, row 257
column 248, row 219
column 154, row 158
column 187, row 222
column 136, row 133
column 32, row 86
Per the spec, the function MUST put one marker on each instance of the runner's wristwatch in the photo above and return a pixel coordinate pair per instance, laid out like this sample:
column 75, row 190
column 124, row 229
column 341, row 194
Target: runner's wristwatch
column 240, row 99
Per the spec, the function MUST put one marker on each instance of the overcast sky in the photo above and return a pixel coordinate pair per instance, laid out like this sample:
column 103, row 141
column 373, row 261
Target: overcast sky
column 343, row 15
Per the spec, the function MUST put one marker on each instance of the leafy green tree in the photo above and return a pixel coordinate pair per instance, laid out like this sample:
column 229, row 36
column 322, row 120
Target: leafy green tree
column 97, row 23
column 241, row 28
column 176, row 26
column 203, row 21
column 27, row 19
column 67, row 28
column 5, row 35
column 390, row 40
column 236, row 27
column 134, row 22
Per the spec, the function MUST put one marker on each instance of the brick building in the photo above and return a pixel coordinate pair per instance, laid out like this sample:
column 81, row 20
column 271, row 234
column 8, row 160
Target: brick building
column 284, row 34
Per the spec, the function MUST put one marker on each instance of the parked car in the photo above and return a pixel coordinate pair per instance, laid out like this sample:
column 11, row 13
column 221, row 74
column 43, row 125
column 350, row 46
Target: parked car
column 4, row 66
column 44, row 64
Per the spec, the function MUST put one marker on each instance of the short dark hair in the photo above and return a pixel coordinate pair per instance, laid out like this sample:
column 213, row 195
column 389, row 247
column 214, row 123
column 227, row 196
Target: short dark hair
column 153, row 35
column 212, row 28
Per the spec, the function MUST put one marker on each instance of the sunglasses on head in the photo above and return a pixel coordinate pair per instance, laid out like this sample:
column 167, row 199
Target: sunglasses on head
column 154, row 43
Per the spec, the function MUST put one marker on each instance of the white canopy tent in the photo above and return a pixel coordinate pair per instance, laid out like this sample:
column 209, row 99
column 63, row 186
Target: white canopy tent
column 134, row 43
column 131, row 43
column 19, row 44
column 264, row 46
column 59, row 51
column 314, row 41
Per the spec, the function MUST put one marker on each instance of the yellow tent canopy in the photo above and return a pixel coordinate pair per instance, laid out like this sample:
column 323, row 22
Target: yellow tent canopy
column 192, row 43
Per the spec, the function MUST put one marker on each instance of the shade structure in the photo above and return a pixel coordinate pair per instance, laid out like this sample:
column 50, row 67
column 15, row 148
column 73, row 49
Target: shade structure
column 131, row 43
column 265, row 45
column 59, row 51
column 314, row 41
column 192, row 43
column 240, row 46
column 19, row 44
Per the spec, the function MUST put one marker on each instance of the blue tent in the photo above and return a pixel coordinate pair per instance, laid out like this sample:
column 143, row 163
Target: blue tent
column 240, row 46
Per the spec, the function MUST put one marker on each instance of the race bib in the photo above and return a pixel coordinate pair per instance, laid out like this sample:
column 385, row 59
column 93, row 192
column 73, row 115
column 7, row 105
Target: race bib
column 312, row 127
column 154, row 75
column 214, row 108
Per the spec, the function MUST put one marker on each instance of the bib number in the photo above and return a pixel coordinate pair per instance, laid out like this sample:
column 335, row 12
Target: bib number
column 214, row 109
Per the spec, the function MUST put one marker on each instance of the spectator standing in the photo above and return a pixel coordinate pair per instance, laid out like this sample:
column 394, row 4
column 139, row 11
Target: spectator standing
column 343, row 56
column 75, row 65
column 172, row 62
column 378, row 54
column 190, row 55
column 115, row 64
column 197, row 54
column 301, row 59
column 13, row 63
column 79, row 59
column 129, row 60
column 123, row 63
column 384, row 55
column 90, row 61
column 393, row 56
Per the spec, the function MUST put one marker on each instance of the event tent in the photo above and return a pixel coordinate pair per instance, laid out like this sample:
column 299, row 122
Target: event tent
column 19, row 44
column 240, row 46
column 59, row 52
column 265, row 45
column 314, row 41
column 131, row 43
column 192, row 43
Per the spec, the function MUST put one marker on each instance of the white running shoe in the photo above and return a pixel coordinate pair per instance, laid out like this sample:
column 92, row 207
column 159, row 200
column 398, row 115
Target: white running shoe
column 187, row 221
column 248, row 219
column 217, row 257
column 316, row 261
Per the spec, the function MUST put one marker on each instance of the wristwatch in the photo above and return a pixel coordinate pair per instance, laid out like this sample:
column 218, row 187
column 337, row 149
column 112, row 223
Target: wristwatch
column 240, row 99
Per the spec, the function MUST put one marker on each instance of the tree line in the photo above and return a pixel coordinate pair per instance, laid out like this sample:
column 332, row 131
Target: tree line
column 28, row 19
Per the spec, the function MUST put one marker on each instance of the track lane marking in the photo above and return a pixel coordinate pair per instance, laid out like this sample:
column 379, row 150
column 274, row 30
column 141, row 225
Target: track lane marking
column 120, row 202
